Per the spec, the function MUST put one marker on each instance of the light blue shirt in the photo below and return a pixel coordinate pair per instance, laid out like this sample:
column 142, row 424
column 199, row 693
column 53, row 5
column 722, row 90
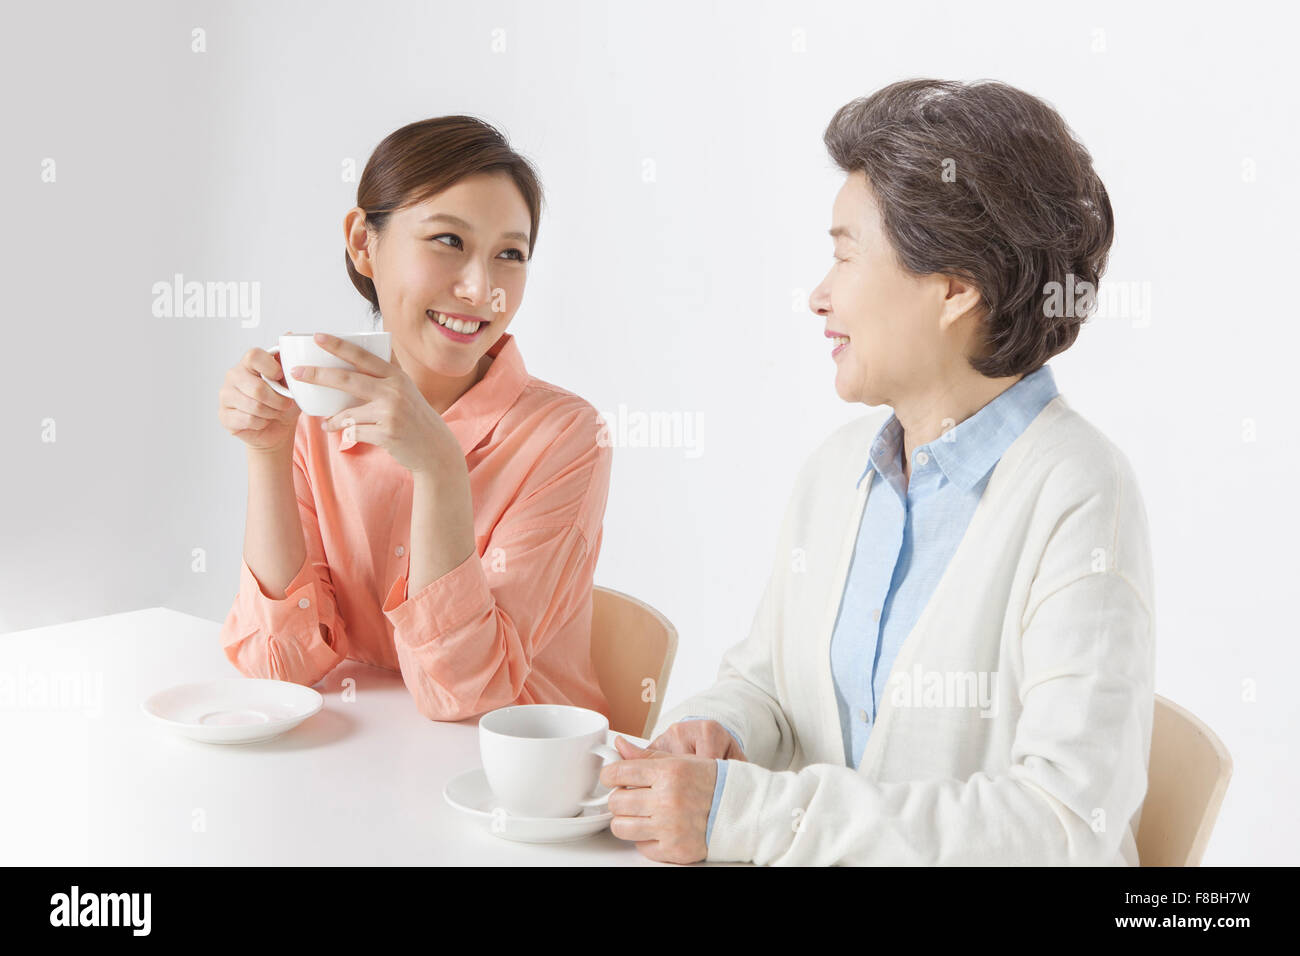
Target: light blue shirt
column 905, row 540
column 908, row 534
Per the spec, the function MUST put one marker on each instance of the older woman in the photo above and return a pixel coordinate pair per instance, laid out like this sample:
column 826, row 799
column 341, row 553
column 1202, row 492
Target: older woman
column 952, row 662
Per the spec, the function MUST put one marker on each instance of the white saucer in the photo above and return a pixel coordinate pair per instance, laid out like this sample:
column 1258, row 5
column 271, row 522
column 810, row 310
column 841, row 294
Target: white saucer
column 233, row 710
column 469, row 793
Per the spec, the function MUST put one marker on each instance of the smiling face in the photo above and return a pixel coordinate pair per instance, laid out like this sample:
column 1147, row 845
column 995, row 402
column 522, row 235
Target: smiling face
column 461, row 253
column 904, row 339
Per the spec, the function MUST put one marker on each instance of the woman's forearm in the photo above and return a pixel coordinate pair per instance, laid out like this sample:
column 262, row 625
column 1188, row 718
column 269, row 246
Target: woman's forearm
column 442, row 524
column 274, row 549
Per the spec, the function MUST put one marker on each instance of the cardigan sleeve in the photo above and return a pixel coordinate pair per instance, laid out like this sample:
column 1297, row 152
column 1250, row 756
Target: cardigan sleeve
column 466, row 641
column 1076, row 777
column 300, row 637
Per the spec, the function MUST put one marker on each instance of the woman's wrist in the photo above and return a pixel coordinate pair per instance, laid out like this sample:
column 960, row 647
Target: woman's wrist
column 442, row 521
column 275, row 455
column 442, row 472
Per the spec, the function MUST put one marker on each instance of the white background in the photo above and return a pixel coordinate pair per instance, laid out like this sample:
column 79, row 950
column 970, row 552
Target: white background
column 683, row 294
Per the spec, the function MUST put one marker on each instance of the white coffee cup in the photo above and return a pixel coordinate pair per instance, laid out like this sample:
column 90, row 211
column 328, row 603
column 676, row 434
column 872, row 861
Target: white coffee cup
column 544, row 760
column 301, row 349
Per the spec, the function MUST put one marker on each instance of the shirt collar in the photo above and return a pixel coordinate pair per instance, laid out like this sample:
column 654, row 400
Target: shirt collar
column 477, row 411
column 967, row 451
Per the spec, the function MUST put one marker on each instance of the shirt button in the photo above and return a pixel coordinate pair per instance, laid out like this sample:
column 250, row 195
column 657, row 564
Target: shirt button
column 922, row 458
column 399, row 551
column 862, row 715
column 304, row 603
column 875, row 615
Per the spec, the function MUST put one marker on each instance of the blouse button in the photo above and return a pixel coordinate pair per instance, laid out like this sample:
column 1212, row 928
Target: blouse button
column 304, row 603
column 399, row 551
column 863, row 715
column 922, row 458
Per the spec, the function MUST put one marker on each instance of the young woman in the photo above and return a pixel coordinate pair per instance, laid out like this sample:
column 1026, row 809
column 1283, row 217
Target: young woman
column 448, row 524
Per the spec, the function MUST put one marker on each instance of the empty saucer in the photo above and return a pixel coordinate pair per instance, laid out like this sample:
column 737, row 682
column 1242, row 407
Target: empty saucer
column 233, row 710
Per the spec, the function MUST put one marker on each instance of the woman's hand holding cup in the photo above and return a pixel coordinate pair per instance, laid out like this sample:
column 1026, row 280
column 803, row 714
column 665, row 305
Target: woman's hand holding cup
column 251, row 410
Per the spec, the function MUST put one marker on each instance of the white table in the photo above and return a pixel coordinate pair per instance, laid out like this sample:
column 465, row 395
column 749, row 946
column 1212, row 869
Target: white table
column 90, row 780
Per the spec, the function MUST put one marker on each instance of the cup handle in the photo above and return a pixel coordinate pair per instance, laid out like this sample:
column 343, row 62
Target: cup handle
column 609, row 755
column 275, row 350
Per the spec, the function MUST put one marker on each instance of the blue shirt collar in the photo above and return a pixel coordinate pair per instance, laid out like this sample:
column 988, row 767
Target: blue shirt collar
column 967, row 451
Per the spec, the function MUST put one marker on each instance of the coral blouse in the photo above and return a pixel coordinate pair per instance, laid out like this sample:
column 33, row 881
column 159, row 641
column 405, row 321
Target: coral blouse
column 509, row 625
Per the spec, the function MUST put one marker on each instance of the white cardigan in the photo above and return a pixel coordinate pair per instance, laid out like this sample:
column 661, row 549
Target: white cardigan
column 1047, row 603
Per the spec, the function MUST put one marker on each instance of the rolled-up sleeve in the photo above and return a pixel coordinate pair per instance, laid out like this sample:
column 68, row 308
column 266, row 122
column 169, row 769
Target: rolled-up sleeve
column 466, row 641
column 299, row 637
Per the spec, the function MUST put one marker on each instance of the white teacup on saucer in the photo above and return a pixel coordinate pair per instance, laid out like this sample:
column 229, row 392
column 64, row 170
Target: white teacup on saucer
column 469, row 793
column 544, row 760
